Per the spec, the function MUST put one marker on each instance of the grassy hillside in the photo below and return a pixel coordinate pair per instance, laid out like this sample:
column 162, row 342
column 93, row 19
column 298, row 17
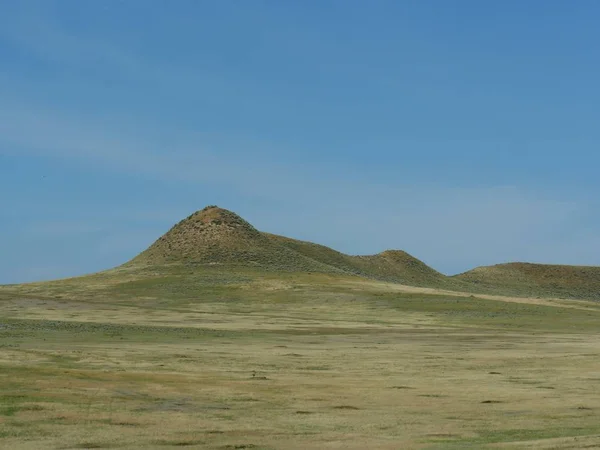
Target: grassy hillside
column 220, row 239
column 536, row 280
column 222, row 337
column 222, row 357
column 391, row 265
column 215, row 236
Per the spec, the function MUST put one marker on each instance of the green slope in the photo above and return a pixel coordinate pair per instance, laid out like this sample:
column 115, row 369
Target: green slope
column 529, row 279
column 219, row 243
column 215, row 236
column 391, row 265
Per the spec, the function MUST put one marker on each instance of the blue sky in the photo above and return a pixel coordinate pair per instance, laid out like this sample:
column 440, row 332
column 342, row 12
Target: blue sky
column 464, row 132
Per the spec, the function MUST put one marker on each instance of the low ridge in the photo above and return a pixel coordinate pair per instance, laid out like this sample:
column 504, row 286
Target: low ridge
column 217, row 236
column 528, row 279
column 390, row 265
column 398, row 265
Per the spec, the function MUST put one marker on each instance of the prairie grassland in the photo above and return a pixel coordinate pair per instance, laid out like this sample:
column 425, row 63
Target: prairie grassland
column 217, row 360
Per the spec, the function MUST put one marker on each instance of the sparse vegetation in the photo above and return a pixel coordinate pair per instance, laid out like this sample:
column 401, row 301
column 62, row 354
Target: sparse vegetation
column 257, row 353
column 546, row 280
column 220, row 237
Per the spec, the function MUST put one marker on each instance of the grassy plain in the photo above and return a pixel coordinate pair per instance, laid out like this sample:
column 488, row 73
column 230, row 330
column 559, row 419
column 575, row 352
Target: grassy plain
column 182, row 357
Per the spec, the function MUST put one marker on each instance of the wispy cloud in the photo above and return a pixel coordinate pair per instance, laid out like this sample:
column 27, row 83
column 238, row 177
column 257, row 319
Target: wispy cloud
column 33, row 28
column 42, row 132
column 449, row 227
column 53, row 229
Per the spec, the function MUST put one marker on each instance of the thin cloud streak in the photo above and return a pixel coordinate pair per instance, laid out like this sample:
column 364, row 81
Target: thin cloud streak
column 79, row 54
column 448, row 227
column 451, row 228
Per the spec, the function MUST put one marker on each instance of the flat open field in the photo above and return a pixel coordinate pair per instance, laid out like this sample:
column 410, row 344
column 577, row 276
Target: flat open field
column 292, row 362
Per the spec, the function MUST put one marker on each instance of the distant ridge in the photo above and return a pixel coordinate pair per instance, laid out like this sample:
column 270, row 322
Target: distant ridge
column 537, row 279
column 390, row 265
column 218, row 237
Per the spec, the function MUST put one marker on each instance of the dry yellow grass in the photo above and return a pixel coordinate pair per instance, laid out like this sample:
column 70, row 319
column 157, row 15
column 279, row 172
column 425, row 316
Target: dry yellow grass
column 292, row 362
